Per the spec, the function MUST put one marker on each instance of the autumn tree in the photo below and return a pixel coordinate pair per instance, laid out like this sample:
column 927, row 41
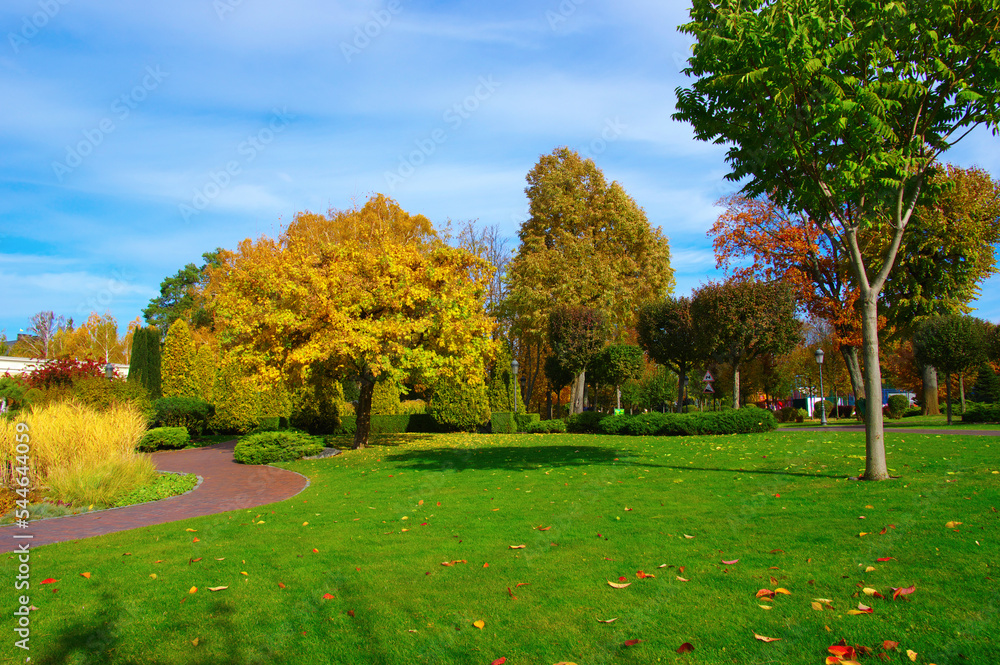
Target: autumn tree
column 952, row 343
column 41, row 329
column 617, row 363
column 740, row 320
column 839, row 111
column 576, row 335
column 667, row 333
column 370, row 291
column 179, row 362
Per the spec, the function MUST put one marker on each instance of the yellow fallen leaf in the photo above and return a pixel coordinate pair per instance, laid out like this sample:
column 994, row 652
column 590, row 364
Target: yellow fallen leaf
column 153, row 576
column 868, row 591
column 191, row 530
column 87, row 575
column 243, row 572
column 689, row 537
column 681, row 579
column 217, row 588
column 517, row 547
column 862, row 534
column 194, row 589
column 816, row 606
column 194, row 642
column 783, row 591
column 870, row 507
column 618, row 586
column 766, row 639
column 607, row 620
column 765, row 607
column 220, row 558
column 912, row 655
column 825, row 601
column 480, row 624
column 305, row 524
column 952, row 525
column 870, row 569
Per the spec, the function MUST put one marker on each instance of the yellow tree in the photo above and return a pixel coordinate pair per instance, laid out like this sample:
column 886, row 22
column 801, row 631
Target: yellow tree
column 371, row 292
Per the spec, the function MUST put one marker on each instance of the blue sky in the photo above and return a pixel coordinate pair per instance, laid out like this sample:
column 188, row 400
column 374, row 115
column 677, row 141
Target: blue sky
column 136, row 136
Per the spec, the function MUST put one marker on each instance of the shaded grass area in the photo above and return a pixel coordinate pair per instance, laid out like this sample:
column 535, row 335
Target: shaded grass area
column 384, row 519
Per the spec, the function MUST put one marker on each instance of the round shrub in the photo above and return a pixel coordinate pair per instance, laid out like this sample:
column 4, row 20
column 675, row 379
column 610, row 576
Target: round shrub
column 801, row 415
column 818, row 408
column 460, row 407
column 163, row 438
column 898, row 404
column 270, row 447
column 786, row 414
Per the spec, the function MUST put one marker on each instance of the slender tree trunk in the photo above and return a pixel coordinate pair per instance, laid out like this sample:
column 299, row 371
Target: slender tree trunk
column 850, row 355
column 577, row 399
column 364, row 413
column 736, row 386
column 961, row 390
column 875, row 465
column 681, row 384
column 947, row 388
column 618, row 393
column 548, row 403
column 931, row 406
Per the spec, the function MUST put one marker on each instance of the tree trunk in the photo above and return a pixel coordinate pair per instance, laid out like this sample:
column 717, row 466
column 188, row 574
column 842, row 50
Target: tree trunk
column 548, row 403
column 618, row 393
column 947, row 389
column 931, row 406
column 681, row 385
column 364, row 413
column 875, row 465
column 577, row 399
column 736, row 386
column 961, row 390
column 850, row 354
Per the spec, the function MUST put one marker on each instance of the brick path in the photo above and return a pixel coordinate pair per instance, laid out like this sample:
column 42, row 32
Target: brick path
column 226, row 486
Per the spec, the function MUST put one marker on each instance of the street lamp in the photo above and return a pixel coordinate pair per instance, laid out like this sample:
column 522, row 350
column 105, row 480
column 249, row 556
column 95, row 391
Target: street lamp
column 514, row 365
column 109, row 371
column 822, row 411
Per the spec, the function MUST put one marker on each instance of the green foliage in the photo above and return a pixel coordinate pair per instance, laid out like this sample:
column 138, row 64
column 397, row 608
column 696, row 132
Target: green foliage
column 102, row 394
column 180, row 296
column 553, row 426
column 786, row 414
column 236, row 401
column 398, row 424
column 316, row 404
column 823, row 404
column 615, row 364
column 987, row 386
column 459, row 407
column 164, row 486
column 164, row 438
column 667, row 332
column 897, row 406
column 14, row 392
column 746, row 420
column 576, row 335
column 501, row 390
column 952, row 343
column 270, row 447
column 502, row 423
column 982, row 413
column 179, row 361
column 192, row 413
column 525, row 420
column 385, row 399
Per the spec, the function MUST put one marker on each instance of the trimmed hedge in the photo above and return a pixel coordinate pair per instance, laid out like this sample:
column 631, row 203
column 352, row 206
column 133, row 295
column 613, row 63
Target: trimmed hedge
column 897, row 406
column 982, row 413
column 190, row 412
column 524, row 420
column 502, row 423
column 747, row 420
column 547, row 427
column 413, row 423
column 270, row 447
column 161, row 438
column 459, row 407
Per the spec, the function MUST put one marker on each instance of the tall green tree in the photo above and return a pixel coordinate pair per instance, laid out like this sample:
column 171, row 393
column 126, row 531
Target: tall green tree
column 144, row 363
column 182, row 296
column 741, row 320
column 668, row 334
column 617, row 363
column 952, row 343
column 576, row 335
column 178, row 372
column 839, row 110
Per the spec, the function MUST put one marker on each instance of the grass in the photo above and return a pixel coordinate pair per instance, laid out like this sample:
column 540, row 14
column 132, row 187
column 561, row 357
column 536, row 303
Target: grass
column 374, row 527
column 918, row 422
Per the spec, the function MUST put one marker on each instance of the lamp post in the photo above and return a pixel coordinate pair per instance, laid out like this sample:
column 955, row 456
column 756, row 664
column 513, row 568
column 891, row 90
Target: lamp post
column 514, row 365
column 822, row 411
column 109, row 371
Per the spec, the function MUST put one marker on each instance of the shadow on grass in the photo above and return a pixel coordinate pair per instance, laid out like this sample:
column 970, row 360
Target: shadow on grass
column 512, row 458
column 769, row 472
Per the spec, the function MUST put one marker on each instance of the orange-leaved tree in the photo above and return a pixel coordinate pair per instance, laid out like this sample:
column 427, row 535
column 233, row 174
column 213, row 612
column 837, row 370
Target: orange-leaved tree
column 370, row 292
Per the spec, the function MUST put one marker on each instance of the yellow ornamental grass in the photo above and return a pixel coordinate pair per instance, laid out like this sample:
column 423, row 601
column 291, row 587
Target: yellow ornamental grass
column 78, row 454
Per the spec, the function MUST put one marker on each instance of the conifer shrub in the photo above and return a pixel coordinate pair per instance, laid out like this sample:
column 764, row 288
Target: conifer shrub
column 459, row 407
column 270, row 447
column 164, row 438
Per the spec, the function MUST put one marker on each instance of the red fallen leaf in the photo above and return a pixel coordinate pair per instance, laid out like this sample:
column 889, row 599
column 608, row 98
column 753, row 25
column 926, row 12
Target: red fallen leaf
column 631, row 643
column 885, row 558
column 544, row 528
column 621, row 579
column 196, row 540
column 731, row 563
column 777, row 496
column 599, row 536
column 765, row 593
column 883, row 531
column 327, row 596
column 511, row 593
column 424, row 524
column 315, row 551
column 49, row 581
column 499, row 661
column 844, row 652
column 777, row 551
column 889, row 644
column 521, row 584
column 439, row 503
column 687, row 647
column 281, row 585
column 486, row 565
column 903, row 591
column 350, row 613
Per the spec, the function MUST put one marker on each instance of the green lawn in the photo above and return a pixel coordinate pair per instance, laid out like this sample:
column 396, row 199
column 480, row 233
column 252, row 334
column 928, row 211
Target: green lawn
column 374, row 527
column 918, row 422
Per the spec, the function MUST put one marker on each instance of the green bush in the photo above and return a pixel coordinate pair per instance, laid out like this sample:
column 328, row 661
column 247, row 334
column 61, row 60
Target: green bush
column 102, row 394
column 316, row 405
column 913, row 412
column 786, row 414
column 898, row 404
column 502, row 423
column 385, row 398
column 801, row 415
column 524, row 420
column 584, row 423
column 845, row 411
column 749, row 419
column 270, row 447
column 547, row 427
column 190, row 412
column 459, row 407
column 414, row 423
column 163, row 438
column 818, row 408
column 982, row 413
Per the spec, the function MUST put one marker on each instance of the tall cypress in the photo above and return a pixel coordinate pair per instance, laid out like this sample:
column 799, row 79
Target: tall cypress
column 153, row 363
column 138, row 368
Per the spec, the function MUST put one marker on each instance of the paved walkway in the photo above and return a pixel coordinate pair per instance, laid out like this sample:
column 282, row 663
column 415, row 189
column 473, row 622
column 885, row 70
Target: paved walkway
column 894, row 430
column 226, row 486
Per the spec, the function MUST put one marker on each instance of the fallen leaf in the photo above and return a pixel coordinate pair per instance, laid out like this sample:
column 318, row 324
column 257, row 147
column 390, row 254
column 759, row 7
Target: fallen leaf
column 87, row 575
column 220, row 558
column 607, row 620
column 862, row 609
column 191, row 530
column 49, row 581
column 153, row 576
column 517, row 547
column 631, row 643
column 863, row 534
column 774, row 582
column 681, row 579
column 817, row 606
column 217, row 588
column 731, row 563
column 868, row 591
column 777, row 551
column 766, row 639
column 765, row 607
column 765, row 593
column 870, row 569
column 281, row 585
column 885, row 558
column 315, row 551
column 889, row 644
column 327, row 596
column 843, row 651
column 420, row 503
column 196, row 540
column 305, row 524
column 662, row 565
column 903, row 591
column 544, row 528
column 194, row 642
column 618, row 586
column 687, row 647
column 783, row 591
column 486, row 565
column 193, row 589
column 521, row 584
column 480, row 624
column 350, row 613
column 190, row 561
column 912, row 655
column 689, row 537
column 244, row 573
column 952, row 525
column 499, row 661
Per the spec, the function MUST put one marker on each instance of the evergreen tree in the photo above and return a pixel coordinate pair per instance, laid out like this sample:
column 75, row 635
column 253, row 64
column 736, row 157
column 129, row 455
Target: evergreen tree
column 178, row 362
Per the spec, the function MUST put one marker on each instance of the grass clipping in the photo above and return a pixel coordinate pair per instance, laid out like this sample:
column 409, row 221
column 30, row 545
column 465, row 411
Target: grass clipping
column 78, row 454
